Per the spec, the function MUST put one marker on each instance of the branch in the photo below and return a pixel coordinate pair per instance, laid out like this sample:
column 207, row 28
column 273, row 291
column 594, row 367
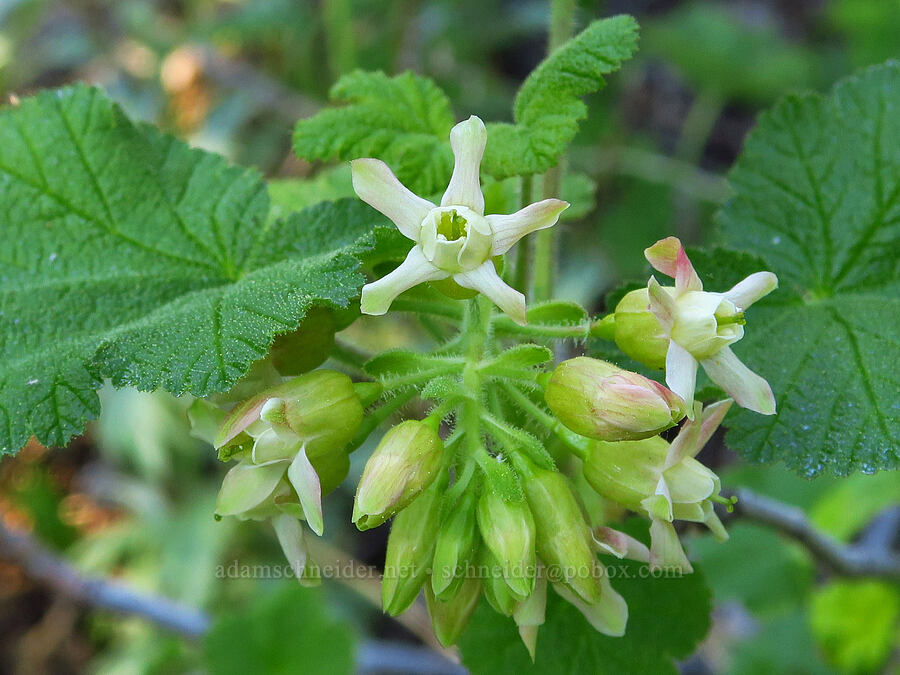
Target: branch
column 844, row 559
column 41, row 565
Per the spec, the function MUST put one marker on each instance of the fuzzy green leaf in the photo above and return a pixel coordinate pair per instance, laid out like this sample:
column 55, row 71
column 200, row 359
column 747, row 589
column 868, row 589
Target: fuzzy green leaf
column 135, row 258
column 548, row 107
column 818, row 199
column 404, row 121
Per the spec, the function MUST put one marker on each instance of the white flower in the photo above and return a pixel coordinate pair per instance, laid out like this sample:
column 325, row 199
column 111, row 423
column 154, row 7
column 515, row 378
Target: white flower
column 454, row 239
column 701, row 325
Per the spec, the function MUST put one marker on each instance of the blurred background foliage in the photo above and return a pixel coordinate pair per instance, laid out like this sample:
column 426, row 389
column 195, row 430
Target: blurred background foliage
column 133, row 498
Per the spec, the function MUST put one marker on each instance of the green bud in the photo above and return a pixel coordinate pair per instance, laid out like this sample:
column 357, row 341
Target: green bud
column 449, row 618
column 629, row 473
column 507, row 528
column 602, row 401
column 564, row 541
column 496, row 591
column 319, row 409
column 637, row 331
column 308, row 346
column 410, row 550
column 405, row 463
column 455, row 547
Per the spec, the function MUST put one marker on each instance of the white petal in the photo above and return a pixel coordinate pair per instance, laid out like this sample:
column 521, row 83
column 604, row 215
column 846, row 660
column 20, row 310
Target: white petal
column 662, row 304
column 620, row 544
column 538, row 216
column 305, row 481
column 377, row 297
column 751, row 289
column 669, row 257
column 467, row 140
column 685, row 443
column 608, row 616
column 377, row 186
column 681, row 374
column 665, row 548
column 711, row 419
column 290, row 535
column 747, row 388
column 485, row 279
column 246, row 486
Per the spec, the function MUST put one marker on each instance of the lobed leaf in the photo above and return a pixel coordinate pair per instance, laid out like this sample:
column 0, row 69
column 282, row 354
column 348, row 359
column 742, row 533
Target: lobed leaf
column 818, row 199
column 405, row 121
column 548, row 107
column 135, row 258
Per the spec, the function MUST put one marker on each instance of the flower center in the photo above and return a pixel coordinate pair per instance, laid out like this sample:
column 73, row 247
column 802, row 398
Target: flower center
column 452, row 225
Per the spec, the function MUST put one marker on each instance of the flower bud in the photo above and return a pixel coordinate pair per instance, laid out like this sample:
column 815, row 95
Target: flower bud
column 449, row 618
column 455, row 547
column 405, row 462
column 409, row 551
column 308, row 346
column 496, row 591
column 563, row 537
column 602, row 401
column 319, row 409
column 507, row 528
column 638, row 333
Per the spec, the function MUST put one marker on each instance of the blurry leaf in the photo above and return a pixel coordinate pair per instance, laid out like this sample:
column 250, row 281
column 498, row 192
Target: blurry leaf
column 283, row 632
column 715, row 50
column 755, row 567
column 818, row 199
column 845, row 509
column 857, row 623
column 578, row 189
column 404, row 121
column 870, row 28
column 293, row 194
column 783, row 645
column 143, row 261
column 667, row 618
column 548, row 106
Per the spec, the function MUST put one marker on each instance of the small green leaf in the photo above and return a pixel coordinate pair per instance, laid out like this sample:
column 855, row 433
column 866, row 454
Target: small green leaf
column 141, row 260
column 287, row 631
column 548, row 107
column 406, row 362
column 404, row 121
column 519, row 357
column 666, row 620
column 818, row 199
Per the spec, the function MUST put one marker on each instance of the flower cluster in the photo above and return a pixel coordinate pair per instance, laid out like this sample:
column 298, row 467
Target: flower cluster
column 478, row 502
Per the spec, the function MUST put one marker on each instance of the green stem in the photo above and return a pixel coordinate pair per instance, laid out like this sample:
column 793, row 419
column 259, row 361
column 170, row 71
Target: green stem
column 337, row 17
column 477, row 324
column 374, row 419
column 698, row 125
column 523, row 248
column 411, row 380
column 577, row 444
column 562, row 26
column 349, row 355
column 506, row 326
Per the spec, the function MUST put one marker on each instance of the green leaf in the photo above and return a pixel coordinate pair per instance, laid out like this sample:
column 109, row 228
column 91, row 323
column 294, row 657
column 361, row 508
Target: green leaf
column 404, row 121
column 293, row 194
column 289, row 631
column 666, row 620
column 848, row 507
column 818, row 199
column 138, row 259
column 548, row 107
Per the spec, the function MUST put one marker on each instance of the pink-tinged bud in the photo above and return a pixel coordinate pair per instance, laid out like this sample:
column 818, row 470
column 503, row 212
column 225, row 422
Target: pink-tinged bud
column 564, row 541
column 602, row 401
column 449, row 618
column 410, row 550
column 405, row 463
column 507, row 528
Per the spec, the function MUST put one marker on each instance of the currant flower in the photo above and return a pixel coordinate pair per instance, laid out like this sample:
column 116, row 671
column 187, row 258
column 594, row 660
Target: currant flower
column 454, row 240
column 664, row 482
